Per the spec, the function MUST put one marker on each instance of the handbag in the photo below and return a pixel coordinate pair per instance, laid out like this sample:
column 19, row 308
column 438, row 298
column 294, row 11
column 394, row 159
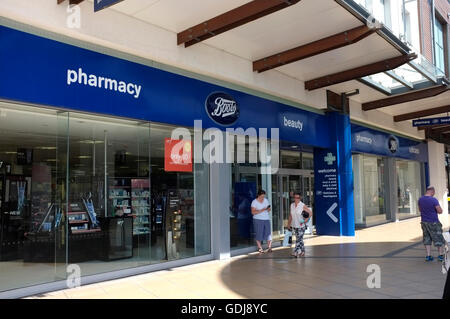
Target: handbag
column 287, row 238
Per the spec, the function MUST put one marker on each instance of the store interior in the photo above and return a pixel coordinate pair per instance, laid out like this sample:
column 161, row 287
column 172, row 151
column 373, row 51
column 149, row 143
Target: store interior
column 91, row 190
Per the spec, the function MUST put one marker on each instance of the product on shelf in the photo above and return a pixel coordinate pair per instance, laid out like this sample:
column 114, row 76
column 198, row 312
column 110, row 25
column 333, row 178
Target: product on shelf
column 89, row 205
column 82, row 221
column 140, row 205
column 158, row 213
column 132, row 196
column 119, row 196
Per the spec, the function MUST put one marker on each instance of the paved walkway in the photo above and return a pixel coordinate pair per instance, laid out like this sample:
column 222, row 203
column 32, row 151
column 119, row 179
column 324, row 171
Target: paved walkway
column 333, row 268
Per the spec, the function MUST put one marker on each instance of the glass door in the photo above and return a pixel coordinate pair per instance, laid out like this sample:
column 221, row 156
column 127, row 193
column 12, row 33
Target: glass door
column 33, row 157
column 283, row 189
column 61, row 195
column 245, row 184
column 277, row 217
column 285, row 199
column 308, row 198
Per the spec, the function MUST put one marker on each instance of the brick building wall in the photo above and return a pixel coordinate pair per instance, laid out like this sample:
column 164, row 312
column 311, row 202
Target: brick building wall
column 442, row 7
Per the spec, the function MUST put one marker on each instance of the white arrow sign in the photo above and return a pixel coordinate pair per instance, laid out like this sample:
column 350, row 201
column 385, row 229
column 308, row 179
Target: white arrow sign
column 330, row 212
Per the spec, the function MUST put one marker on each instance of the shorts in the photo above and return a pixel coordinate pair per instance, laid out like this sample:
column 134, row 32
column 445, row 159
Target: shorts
column 432, row 232
column 262, row 229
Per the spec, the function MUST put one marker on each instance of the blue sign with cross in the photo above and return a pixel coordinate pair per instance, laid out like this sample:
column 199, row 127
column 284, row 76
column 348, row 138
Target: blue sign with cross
column 330, row 158
column 326, row 180
column 333, row 181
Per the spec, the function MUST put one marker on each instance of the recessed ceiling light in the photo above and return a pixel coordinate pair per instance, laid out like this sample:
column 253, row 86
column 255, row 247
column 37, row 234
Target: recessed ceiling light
column 84, row 156
column 91, row 142
column 46, row 148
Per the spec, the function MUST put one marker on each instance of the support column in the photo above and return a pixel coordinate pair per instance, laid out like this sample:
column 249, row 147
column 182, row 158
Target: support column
column 391, row 189
column 220, row 201
column 344, row 148
column 335, row 214
column 437, row 173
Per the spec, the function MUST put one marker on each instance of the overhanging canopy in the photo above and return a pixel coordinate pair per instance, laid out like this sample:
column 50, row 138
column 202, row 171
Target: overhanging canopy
column 317, row 42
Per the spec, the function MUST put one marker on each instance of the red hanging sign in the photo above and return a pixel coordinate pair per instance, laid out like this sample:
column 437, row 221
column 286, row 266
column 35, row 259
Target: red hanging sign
column 177, row 156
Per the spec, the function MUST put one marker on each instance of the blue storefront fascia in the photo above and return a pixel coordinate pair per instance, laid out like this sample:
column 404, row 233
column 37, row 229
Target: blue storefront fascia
column 36, row 70
column 370, row 141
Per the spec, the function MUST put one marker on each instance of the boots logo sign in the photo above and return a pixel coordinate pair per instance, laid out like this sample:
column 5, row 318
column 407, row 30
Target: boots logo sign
column 222, row 108
column 393, row 144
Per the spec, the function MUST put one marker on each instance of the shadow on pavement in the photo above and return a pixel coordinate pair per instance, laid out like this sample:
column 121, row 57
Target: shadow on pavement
column 337, row 271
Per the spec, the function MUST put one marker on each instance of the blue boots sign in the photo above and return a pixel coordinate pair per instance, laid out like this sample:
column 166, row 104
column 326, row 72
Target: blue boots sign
column 103, row 4
column 367, row 140
column 222, row 108
column 431, row 121
column 393, row 144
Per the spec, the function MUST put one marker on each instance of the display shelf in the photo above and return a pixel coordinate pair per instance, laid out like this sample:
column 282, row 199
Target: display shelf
column 119, row 195
column 86, row 231
column 76, row 213
column 78, row 221
column 131, row 196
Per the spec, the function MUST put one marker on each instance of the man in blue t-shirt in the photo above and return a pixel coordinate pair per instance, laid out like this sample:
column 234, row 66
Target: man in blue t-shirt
column 432, row 229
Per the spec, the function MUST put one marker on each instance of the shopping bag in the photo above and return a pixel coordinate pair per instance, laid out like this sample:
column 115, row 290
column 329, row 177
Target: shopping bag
column 287, row 238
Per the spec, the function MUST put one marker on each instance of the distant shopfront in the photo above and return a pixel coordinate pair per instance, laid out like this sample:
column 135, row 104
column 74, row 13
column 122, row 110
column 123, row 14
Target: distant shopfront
column 390, row 174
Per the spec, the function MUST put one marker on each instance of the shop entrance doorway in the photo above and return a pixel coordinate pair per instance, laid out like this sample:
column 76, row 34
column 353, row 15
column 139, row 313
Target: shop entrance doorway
column 284, row 185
